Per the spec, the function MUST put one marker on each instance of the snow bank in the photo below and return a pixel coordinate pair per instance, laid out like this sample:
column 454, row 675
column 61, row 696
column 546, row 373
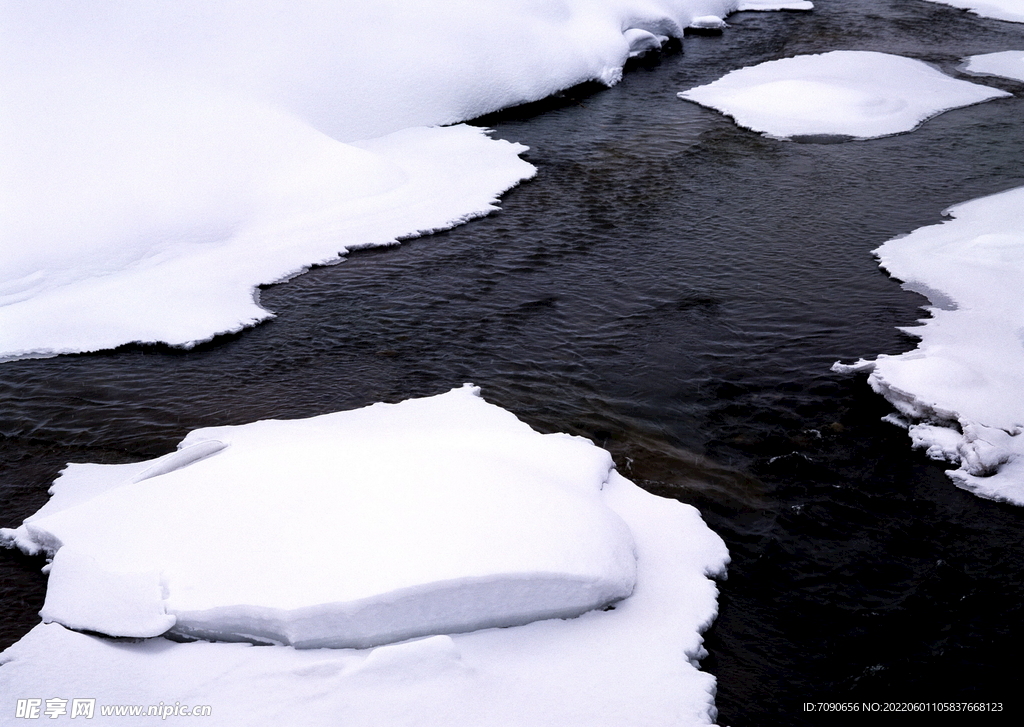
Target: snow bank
column 1007, row 64
column 862, row 94
column 160, row 160
column 1011, row 10
column 177, row 259
column 964, row 383
column 459, row 494
column 353, row 529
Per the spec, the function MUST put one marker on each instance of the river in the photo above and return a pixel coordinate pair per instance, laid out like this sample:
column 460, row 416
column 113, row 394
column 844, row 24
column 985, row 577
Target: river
column 674, row 288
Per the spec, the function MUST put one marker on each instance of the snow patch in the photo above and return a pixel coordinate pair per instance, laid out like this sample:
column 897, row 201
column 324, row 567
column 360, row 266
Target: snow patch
column 1006, row 64
column 706, row 25
column 861, row 94
column 1010, row 10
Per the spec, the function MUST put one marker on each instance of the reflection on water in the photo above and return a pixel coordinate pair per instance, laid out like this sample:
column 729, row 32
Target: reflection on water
column 676, row 289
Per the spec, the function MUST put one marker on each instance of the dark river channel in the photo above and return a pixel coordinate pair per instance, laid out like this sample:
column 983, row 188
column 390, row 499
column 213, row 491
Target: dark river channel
column 674, row 288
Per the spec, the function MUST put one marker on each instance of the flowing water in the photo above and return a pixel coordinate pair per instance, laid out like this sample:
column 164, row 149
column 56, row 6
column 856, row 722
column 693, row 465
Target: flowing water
column 676, row 289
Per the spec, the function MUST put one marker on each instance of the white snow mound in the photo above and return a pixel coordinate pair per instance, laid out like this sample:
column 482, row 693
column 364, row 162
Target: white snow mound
column 862, row 94
column 493, row 520
column 1012, row 10
column 964, row 383
column 435, row 515
column 1006, row 64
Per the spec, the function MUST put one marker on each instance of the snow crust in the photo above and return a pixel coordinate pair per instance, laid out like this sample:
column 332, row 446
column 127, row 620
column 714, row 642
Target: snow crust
column 963, row 385
column 548, row 510
column 1007, row 64
column 861, row 94
column 160, row 160
column 1011, row 10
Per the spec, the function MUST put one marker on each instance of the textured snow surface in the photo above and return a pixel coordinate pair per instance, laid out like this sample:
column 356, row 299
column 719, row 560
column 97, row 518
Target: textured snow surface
column 353, row 529
column 531, row 509
column 1007, row 64
column 1012, row 10
column 862, row 94
column 964, row 383
column 160, row 160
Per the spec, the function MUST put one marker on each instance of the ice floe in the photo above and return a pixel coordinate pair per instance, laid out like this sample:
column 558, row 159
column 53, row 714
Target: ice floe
column 161, row 160
column 860, row 94
column 435, row 519
column 353, row 529
column 1012, row 10
column 963, row 386
column 1006, row 64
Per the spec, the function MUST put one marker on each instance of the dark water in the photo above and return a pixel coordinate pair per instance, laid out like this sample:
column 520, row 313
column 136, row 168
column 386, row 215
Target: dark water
column 676, row 289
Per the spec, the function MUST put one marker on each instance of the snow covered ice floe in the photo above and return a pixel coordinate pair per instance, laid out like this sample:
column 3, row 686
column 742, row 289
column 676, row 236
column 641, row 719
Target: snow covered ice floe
column 1012, row 10
column 353, row 529
column 427, row 518
column 775, row 5
column 1005, row 64
column 160, row 160
column 963, row 386
column 861, row 94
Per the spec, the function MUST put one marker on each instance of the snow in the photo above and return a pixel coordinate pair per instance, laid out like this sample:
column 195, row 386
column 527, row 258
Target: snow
column 531, row 510
column 964, row 383
column 88, row 597
column 775, row 5
column 1007, row 64
column 642, row 41
column 352, row 529
column 708, row 22
column 161, row 160
column 1012, row 10
column 862, row 94
column 178, row 257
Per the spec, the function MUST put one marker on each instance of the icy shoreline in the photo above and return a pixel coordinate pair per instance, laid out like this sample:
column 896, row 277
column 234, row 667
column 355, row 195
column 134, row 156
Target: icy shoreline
column 960, row 389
